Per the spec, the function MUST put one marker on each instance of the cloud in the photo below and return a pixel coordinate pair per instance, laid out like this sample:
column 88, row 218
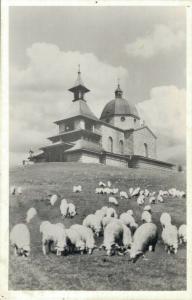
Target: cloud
column 39, row 92
column 165, row 114
column 162, row 39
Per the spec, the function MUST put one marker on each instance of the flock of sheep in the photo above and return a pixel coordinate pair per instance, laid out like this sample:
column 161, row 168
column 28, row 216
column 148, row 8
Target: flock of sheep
column 121, row 234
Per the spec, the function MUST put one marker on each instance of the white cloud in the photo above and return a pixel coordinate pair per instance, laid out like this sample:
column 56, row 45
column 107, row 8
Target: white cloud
column 162, row 39
column 39, row 93
column 165, row 113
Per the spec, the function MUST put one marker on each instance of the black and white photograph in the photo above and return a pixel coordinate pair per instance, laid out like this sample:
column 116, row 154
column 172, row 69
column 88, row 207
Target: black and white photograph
column 98, row 168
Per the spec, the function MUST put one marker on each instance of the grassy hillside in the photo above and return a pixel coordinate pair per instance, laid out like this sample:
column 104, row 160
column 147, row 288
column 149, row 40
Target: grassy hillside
column 96, row 272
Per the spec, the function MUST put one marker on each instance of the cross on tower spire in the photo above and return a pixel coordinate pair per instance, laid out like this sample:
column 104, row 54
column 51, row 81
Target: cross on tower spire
column 79, row 89
column 118, row 91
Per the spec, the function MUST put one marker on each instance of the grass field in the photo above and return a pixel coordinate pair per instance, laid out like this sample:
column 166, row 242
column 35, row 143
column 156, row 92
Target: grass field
column 97, row 271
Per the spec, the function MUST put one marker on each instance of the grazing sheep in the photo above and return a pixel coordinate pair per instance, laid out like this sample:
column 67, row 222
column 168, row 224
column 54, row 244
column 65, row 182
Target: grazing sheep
column 146, row 193
column 107, row 190
column 124, row 195
column 130, row 212
column 99, row 191
column 71, row 210
column 102, row 184
column 106, row 220
column 113, row 235
column 182, row 234
column 64, row 208
column 131, row 191
column 53, row 233
column 165, row 219
column 147, row 208
column 111, row 212
column 13, row 190
column 19, row 190
column 136, row 192
column 77, row 188
column 87, row 237
column 142, row 192
column 141, row 200
column 170, row 238
column 31, row 213
column 53, row 199
column 127, row 237
column 144, row 239
column 94, row 222
column 74, row 241
column 152, row 200
column 128, row 220
column 109, row 184
column 160, row 198
column 114, row 191
column 113, row 200
column 146, row 217
column 20, row 240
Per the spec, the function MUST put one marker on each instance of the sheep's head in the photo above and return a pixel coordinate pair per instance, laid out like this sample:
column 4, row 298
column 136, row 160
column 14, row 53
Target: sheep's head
column 135, row 255
column 24, row 251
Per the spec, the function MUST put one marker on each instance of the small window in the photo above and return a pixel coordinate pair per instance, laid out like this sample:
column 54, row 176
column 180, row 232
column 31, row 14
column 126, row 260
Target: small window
column 122, row 119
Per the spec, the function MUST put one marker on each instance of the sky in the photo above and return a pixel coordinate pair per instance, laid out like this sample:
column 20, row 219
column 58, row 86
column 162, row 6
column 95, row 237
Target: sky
column 145, row 47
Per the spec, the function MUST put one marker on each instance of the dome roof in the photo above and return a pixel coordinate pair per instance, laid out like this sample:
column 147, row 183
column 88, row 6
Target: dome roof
column 119, row 107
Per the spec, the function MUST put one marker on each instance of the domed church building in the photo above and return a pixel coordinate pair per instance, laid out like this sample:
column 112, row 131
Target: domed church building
column 118, row 138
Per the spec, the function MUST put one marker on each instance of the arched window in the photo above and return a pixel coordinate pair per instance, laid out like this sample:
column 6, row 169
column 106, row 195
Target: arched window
column 121, row 147
column 146, row 149
column 110, row 144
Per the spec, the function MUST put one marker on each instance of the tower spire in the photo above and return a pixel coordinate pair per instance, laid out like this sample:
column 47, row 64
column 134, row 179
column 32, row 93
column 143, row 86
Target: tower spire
column 118, row 91
column 79, row 89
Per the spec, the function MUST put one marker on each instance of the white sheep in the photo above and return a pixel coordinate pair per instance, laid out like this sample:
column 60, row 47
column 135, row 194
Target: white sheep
column 74, row 241
column 86, row 235
column 131, row 191
column 182, row 234
column 53, row 199
column 136, row 192
column 109, row 184
column 130, row 212
column 107, row 190
column 13, row 190
column 99, row 191
column 53, row 233
column 71, row 210
column 100, row 213
column 172, row 192
column 124, row 195
column 114, row 191
column 152, row 194
column 113, row 200
column 106, row 220
column 77, row 188
column 111, row 212
column 19, row 190
column 94, row 222
column 31, row 213
column 152, row 199
column 144, row 239
column 141, row 200
column 102, row 184
column 170, row 238
column 113, row 234
column 128, row 220
column 64, row 208
column 127, row 237
column 160, row 198
column 146, row 192
column 165, row 219
column 146, row 217
column 147, row 208
column 20, row 239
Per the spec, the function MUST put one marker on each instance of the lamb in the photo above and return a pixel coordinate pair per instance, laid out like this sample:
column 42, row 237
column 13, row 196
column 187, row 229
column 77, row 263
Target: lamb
column 113, row 235
column 64, row 208
column 94, row 222
column 147, row 208
column 53, row 233
column 113, row 200
column 129, row 221
column 19, row 190
column 165, row 219
column 13, row 190
column 111, row 212
column 74, row 241
column 136, row 192
column 31, row 213
column 144, row 239
column 20, row 240
column 86, row 235
column 152, row 200
column 146, row 217
column 124, row 195
column 71, row 210
column 77, row 188
column 53, row 199
column 141, row 200
column 170, row 238
column 182, row 234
